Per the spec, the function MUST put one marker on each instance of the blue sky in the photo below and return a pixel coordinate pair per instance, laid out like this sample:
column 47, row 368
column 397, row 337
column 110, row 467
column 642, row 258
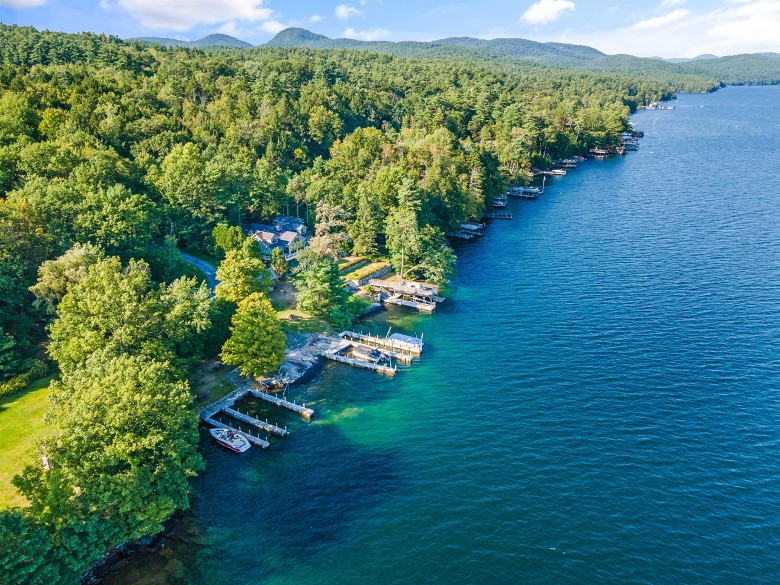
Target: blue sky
column 666, row 28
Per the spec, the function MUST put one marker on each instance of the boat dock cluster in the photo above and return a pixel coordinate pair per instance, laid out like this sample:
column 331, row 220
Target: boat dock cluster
column 364, row 350
column 360, row 350
column 215, row 413
column 471, row 230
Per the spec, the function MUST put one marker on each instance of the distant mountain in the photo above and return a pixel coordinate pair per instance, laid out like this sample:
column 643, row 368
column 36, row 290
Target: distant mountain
column 218, row 40
column 550, row 53
column 161, row 41
column 215, row 40
column 753, row 68
column 686, row 60
column 297, row 37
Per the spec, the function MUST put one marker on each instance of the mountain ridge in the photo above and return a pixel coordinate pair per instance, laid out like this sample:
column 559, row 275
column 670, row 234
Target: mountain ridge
column 728, row 70
column 213, row 40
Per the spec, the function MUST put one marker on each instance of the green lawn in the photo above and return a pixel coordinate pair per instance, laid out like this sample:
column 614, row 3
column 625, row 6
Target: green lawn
column 209, row 384
column 21, row 427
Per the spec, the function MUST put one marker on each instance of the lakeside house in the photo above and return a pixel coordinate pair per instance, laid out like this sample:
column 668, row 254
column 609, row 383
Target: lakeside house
column 286, row 232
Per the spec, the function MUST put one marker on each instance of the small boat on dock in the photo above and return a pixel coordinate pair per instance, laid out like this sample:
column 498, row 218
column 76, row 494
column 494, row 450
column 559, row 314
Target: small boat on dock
column 499, row 201
column 231, row 439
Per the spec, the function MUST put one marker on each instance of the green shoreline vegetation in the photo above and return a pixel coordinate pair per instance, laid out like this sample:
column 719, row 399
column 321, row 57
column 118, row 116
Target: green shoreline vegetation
column 115, row 155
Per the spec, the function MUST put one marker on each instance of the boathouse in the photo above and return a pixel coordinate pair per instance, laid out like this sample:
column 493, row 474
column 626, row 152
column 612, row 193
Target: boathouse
column 417, row 295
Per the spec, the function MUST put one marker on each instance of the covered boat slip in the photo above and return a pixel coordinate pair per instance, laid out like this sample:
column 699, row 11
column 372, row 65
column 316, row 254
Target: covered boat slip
column 417, row 295
column 397, row 343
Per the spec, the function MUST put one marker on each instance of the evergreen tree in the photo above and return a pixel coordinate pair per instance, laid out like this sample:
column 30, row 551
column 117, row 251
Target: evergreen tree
column 279, row 262
column 319, row 289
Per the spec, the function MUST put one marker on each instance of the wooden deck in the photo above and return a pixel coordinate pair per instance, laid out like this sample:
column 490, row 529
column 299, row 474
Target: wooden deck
column 417, row 295
column 337, row 357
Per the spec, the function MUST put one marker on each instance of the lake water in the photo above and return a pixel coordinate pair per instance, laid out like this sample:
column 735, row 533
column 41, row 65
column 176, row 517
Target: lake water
column 599, row 401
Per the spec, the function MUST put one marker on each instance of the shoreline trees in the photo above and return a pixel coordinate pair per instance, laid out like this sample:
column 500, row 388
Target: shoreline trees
column 126, row 149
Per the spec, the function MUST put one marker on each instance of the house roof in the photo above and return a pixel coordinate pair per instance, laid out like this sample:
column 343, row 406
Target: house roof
column 265, row 236
column 288, row 236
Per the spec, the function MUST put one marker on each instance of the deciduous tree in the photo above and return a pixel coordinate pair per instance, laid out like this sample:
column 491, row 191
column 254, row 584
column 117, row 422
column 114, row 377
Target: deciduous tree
column 256, row 343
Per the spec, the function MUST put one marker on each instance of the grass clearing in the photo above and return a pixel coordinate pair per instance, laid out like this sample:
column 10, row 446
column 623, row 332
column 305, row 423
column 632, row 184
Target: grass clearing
column 21, row 427
column 210, row 384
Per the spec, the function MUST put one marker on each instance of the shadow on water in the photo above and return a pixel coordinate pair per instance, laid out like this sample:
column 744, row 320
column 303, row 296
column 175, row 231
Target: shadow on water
column 263, row 513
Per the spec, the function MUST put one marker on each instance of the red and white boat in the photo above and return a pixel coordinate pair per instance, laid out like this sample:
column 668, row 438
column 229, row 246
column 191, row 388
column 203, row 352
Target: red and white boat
column 231, row 439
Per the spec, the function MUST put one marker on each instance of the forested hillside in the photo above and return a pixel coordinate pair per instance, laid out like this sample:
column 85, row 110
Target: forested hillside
column 114, row 155
column 692, row 76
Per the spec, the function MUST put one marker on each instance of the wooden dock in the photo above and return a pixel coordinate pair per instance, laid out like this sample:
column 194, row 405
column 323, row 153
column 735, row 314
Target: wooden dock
column 226, row 401
column 256, row 422
column 498, row 215
column 337, row 357
column 525, row 193
column 399, row 300
column 300, row 409
column 263, row 444
column 394, row 344
column 417, row 295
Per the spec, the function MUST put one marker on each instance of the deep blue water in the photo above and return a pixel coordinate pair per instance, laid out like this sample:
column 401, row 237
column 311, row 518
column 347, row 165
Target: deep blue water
column 599, row 402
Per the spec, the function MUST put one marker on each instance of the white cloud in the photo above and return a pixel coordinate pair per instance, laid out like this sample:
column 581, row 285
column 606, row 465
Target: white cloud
column 671, row 3
column 373, row 34
column 344, row 12
column 752, row 23
column 272, row 26
column 21, row 3
column 546, row 11
column 229, row 28
column 661, row 21
column 316, row 18
column 735, row 26
column 185, row 14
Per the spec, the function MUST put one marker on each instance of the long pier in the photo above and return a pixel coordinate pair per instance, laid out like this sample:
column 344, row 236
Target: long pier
column 337, row 357
column 395, row 345
column 251, row 438
column 300, row 409
column 264, row 425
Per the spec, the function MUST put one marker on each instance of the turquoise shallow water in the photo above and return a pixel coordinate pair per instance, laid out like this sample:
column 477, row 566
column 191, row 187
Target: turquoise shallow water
column 598, row 403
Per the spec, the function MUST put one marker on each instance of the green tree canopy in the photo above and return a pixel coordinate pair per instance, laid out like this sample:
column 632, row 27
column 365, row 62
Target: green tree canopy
column 120, row 459
column 256, row 343
column 118, row 309
column 56, row 277
column 241, row 275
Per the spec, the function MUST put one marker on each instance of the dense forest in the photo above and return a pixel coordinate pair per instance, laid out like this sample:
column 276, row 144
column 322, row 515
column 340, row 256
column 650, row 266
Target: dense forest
column 115, row 155
column 690, row 76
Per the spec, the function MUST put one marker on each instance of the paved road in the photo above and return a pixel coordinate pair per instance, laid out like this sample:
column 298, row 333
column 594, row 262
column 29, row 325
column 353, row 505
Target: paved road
column 209, row 270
